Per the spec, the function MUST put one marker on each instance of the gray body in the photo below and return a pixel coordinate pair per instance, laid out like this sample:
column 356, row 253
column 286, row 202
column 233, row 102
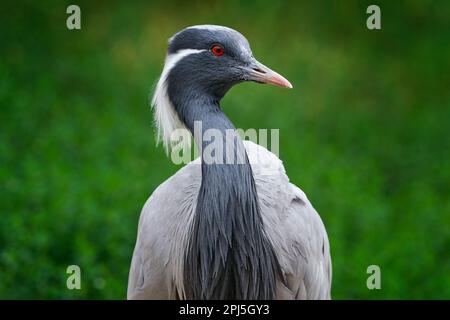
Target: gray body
column 293, row 227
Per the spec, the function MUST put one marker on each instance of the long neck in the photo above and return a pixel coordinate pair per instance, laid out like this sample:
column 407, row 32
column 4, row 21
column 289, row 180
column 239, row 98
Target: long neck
column 229, row 255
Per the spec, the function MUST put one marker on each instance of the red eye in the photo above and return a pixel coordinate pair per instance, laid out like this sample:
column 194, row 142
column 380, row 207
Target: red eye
column 217, row 50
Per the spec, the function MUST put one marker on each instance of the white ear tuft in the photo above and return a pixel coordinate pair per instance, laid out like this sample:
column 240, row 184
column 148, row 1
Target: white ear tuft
column 166, row 118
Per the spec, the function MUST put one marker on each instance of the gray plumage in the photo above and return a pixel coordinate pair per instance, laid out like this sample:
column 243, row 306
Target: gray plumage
column 224, row 231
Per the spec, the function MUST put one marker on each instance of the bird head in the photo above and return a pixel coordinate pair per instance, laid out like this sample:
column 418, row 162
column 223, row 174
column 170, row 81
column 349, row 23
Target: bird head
column 214, row 58
column 204, row 62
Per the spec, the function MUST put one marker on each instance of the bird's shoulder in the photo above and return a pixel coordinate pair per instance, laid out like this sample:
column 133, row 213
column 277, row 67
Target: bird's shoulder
column 294, row 228
column 303, row 241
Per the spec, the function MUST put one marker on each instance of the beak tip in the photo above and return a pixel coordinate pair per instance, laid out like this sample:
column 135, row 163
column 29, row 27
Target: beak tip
column 286, row 84
column 281, row 81
column 262, row 74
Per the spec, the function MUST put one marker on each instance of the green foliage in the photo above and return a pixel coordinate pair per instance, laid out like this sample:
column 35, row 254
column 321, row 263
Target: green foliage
column 364, row 133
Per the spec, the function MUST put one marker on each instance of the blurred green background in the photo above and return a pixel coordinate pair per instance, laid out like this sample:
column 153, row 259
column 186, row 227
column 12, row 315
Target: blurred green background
column 365, row 133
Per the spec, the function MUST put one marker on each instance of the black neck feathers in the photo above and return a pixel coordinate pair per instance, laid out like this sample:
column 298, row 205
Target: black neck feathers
column 228, row 254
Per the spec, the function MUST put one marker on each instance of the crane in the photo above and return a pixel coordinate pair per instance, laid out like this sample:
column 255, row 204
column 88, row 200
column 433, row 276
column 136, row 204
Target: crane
column 231, row 227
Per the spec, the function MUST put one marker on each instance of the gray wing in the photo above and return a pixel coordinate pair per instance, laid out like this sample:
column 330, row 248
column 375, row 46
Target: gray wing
column 310, row 276
column 298, row 236
column 157, row 262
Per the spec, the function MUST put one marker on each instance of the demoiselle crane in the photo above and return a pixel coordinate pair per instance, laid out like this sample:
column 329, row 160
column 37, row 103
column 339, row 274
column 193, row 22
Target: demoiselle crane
column 223, row 230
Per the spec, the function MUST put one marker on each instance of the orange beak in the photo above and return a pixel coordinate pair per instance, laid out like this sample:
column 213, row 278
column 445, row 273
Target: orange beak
column 258, row 72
